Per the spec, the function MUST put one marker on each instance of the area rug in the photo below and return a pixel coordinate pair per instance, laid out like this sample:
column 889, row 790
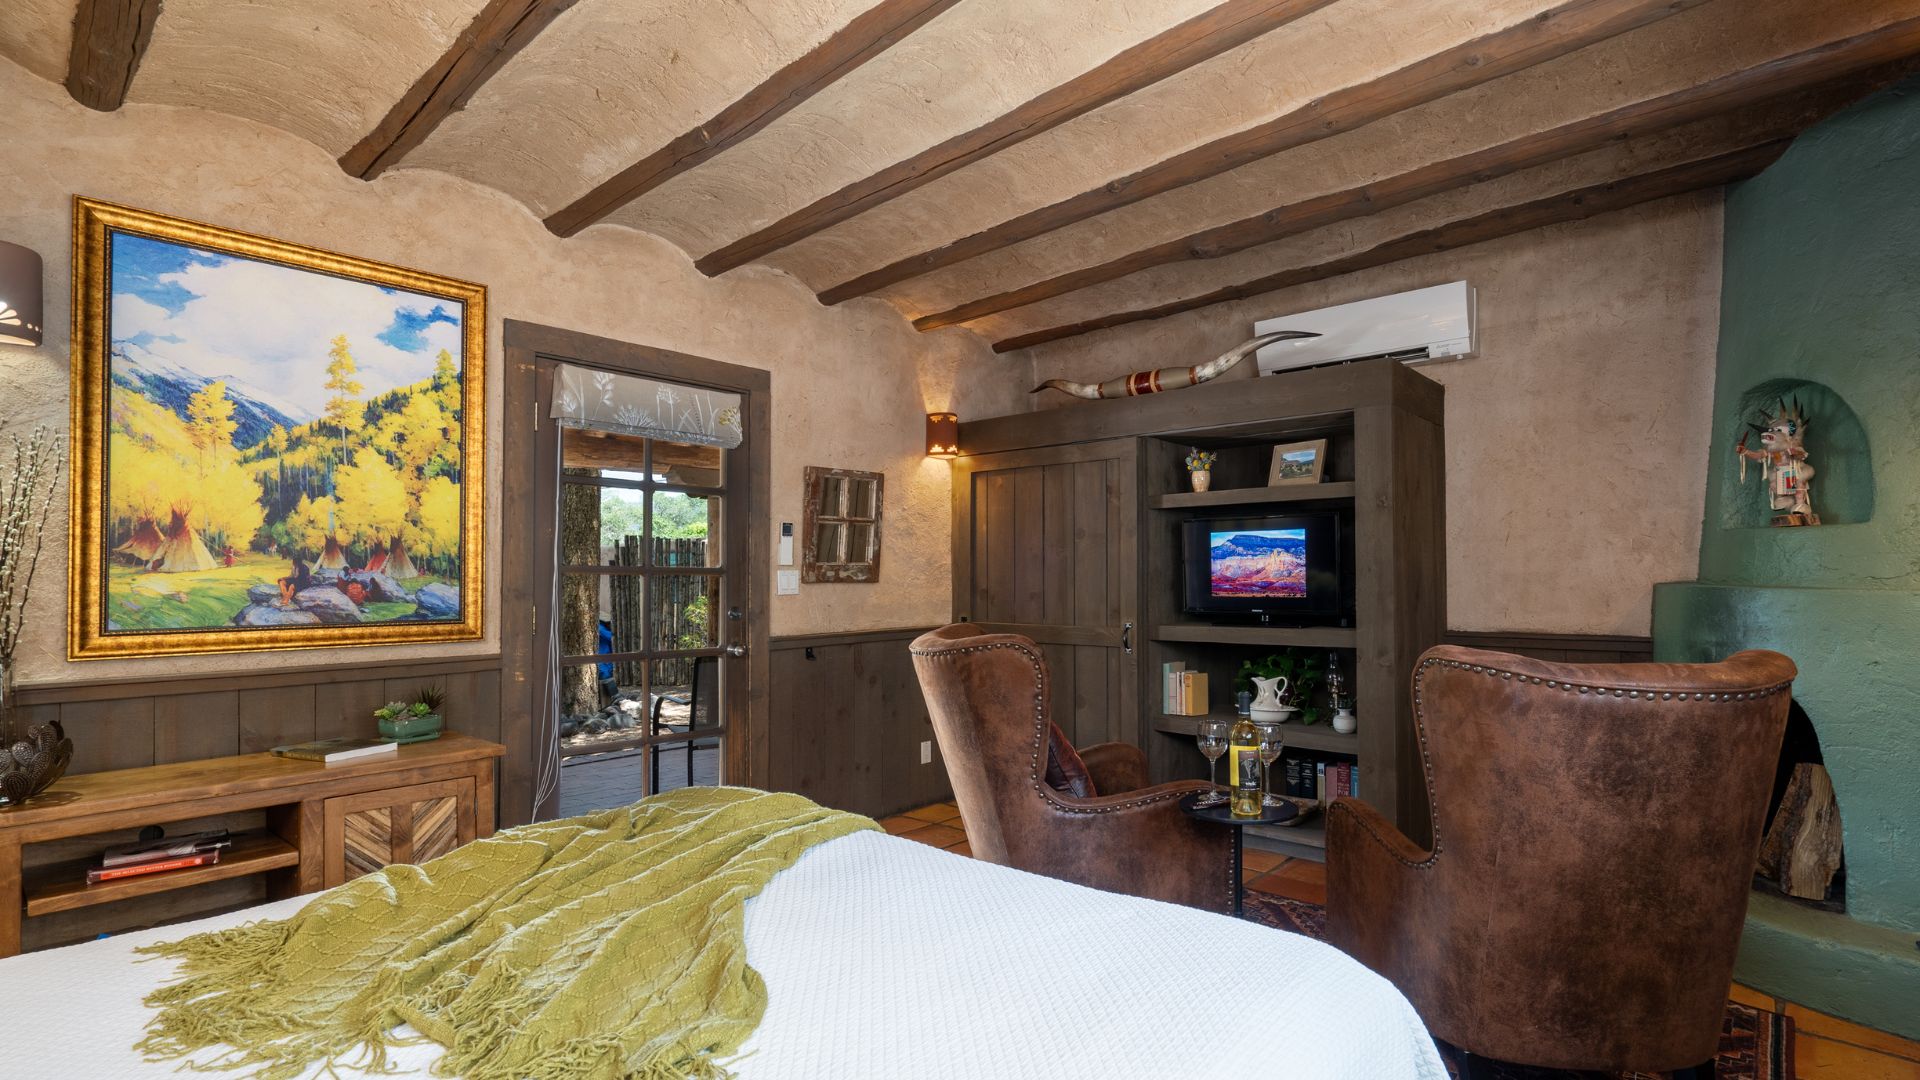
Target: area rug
column 1755, row 1044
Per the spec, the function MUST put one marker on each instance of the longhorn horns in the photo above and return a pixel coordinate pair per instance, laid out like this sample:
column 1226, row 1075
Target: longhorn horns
column 1172, row 378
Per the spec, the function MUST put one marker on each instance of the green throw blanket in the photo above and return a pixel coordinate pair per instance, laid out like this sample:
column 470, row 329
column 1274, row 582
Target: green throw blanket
column 611, row 945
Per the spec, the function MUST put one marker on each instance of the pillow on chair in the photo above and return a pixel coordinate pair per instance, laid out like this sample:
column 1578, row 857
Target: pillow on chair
column 1066, row 773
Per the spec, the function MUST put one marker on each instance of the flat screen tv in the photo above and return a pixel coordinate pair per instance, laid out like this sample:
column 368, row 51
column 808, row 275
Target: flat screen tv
column 1292, row 570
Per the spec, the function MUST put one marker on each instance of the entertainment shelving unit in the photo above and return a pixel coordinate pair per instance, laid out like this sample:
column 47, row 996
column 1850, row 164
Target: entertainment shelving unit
column 1025, row 498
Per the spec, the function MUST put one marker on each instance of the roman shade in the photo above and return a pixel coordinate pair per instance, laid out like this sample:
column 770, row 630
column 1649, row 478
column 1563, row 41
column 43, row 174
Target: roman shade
column 631, row 405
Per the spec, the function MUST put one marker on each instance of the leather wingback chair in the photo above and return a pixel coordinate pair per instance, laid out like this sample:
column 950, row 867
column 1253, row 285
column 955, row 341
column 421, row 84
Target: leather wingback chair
column 990, row 698
column 1594, row 834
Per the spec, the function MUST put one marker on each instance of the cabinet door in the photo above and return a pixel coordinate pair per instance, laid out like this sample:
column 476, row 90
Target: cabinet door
column 1045, row 544
column 373, row 829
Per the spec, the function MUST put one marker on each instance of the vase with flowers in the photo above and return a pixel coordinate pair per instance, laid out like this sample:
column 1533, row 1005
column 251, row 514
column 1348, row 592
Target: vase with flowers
column 1200, row 468
column 31, row 760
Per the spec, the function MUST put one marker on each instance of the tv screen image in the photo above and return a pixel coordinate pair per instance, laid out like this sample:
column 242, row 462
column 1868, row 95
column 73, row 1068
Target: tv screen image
column 1264, row 563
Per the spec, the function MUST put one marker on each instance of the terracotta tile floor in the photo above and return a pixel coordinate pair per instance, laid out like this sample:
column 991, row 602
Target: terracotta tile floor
column 1825, row 1047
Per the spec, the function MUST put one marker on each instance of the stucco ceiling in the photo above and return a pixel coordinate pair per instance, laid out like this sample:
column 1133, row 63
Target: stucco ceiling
column 1024, row 168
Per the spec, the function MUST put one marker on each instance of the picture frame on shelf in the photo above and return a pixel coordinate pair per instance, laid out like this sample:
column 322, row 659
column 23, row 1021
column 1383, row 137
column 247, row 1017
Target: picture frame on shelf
column 1298, row 463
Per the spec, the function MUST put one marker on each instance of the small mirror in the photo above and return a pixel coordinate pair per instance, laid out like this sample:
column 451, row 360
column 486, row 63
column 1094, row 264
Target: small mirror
column 826, row 541
column 833, row 492
column 859, row 541
column 860, row 498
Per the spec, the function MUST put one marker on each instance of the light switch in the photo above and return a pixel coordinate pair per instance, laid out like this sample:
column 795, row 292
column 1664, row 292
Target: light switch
column 787, row 582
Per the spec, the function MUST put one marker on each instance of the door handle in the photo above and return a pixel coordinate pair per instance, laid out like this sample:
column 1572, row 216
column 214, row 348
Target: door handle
column 736, row 651
column 1126, row 638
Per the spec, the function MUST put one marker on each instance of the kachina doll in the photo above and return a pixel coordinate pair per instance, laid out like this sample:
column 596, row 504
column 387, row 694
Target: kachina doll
column 1783, row 464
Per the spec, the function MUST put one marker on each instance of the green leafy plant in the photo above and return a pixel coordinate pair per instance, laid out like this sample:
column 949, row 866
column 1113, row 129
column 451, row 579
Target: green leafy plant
column 426, row 702
column 1304, row 672
column 431, row 696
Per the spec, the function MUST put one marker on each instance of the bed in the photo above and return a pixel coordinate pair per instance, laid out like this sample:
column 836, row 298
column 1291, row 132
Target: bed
column 885, row 958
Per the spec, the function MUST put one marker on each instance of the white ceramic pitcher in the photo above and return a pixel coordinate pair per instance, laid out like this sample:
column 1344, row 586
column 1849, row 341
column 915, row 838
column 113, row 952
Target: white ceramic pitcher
column 1268, row 703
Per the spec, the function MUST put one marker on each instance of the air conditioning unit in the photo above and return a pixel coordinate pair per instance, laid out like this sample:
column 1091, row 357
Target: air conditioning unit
column 1417, row 327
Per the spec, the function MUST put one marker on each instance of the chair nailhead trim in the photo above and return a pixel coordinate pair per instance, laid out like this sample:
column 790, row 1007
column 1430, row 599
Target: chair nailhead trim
column 1426, row 761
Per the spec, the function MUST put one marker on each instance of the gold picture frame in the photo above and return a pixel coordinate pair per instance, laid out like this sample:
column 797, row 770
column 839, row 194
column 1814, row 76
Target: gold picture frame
column 162, row 588
column 1298, row 463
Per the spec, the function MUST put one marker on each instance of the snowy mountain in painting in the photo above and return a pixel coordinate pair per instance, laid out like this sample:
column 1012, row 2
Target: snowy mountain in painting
column 165, row 383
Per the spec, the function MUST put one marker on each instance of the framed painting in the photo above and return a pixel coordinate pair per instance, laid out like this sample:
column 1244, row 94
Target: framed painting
column 274, row 447
column 1298, row 463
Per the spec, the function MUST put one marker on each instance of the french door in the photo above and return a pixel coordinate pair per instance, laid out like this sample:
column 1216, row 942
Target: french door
column 647, row 664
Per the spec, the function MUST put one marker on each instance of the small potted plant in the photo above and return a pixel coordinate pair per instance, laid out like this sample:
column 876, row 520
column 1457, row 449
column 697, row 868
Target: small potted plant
column 413, row 721
column 1200, row 468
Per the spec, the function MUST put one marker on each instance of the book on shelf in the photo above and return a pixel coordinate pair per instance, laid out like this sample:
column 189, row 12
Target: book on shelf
column 1183, row 693
column 1317, row 776
column 331, row 751
column 180, row 862
column 166, row 847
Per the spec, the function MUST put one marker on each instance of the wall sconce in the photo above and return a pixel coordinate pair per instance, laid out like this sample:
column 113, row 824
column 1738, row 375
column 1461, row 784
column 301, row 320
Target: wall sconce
column 943, row 434
column 20, row 299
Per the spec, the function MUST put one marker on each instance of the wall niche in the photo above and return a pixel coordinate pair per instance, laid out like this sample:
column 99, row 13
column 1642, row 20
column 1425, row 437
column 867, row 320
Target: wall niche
column 1837, row 449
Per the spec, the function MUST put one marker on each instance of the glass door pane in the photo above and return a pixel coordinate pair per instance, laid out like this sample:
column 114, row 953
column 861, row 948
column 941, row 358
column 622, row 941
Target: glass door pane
column 640, row 626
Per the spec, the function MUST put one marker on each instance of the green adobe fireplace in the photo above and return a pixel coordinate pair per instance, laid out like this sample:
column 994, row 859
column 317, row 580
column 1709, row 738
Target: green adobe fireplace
column 1821, row 300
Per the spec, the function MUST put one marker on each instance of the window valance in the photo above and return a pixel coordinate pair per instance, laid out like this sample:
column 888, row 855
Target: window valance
column 631, row 405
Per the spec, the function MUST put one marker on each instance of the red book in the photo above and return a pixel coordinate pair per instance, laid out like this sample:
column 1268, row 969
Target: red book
column 1343, row 787
column 111, row 873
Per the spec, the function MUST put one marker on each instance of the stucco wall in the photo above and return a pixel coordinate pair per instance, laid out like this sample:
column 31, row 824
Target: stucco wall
column 850, row 384
column 1575, row 440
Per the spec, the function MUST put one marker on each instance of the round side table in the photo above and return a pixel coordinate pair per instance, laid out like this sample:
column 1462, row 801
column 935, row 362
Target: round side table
column 1223, row 815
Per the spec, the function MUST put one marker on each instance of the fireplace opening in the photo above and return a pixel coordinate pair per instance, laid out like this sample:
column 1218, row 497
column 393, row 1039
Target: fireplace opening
column 1801, row 857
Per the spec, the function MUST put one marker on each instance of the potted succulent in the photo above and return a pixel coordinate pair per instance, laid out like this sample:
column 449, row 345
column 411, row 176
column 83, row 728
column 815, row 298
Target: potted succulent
column 1302, row 673
column 413, row 721
column 1200, row 468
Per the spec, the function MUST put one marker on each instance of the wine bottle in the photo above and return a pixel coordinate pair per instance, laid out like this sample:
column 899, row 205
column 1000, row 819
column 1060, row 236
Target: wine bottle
column 1243, row 767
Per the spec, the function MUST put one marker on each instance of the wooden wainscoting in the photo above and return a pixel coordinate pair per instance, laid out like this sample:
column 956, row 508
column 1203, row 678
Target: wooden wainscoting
column 128, row 723
column 847, row 721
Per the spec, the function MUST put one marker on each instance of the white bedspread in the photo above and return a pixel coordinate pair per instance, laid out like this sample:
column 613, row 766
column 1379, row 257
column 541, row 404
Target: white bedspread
column 889, row 960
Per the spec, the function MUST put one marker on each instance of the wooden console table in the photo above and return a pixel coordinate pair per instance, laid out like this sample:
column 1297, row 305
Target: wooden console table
column 326, row 824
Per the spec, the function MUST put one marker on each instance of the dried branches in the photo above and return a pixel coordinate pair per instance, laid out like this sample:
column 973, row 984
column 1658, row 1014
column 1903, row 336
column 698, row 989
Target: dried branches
column 26, row 500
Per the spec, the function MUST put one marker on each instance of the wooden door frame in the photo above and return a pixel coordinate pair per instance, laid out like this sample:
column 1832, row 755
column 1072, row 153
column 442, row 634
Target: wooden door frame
column 522, row 522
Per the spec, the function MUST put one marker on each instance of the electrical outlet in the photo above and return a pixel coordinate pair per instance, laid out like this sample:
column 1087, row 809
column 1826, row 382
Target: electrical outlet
column 926, row 752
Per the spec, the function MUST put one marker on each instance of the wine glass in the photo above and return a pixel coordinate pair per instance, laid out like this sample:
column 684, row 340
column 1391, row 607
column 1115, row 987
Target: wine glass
column 1270, row 741
column 1212, row 736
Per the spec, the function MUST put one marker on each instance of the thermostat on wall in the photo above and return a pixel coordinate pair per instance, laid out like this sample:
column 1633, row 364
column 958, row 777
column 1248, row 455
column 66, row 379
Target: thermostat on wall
column 786, row 543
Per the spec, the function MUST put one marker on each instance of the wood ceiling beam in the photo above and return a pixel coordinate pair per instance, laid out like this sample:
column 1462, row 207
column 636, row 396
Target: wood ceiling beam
column 1895, row 44
column 495, row 36
column 109, row 39
column 1714, row 171
column 873, row 32
column 1231, row 24
column 1562, row 29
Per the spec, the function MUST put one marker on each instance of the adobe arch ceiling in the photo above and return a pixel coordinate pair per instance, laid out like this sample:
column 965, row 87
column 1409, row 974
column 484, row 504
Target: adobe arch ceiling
column 1030, row 169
